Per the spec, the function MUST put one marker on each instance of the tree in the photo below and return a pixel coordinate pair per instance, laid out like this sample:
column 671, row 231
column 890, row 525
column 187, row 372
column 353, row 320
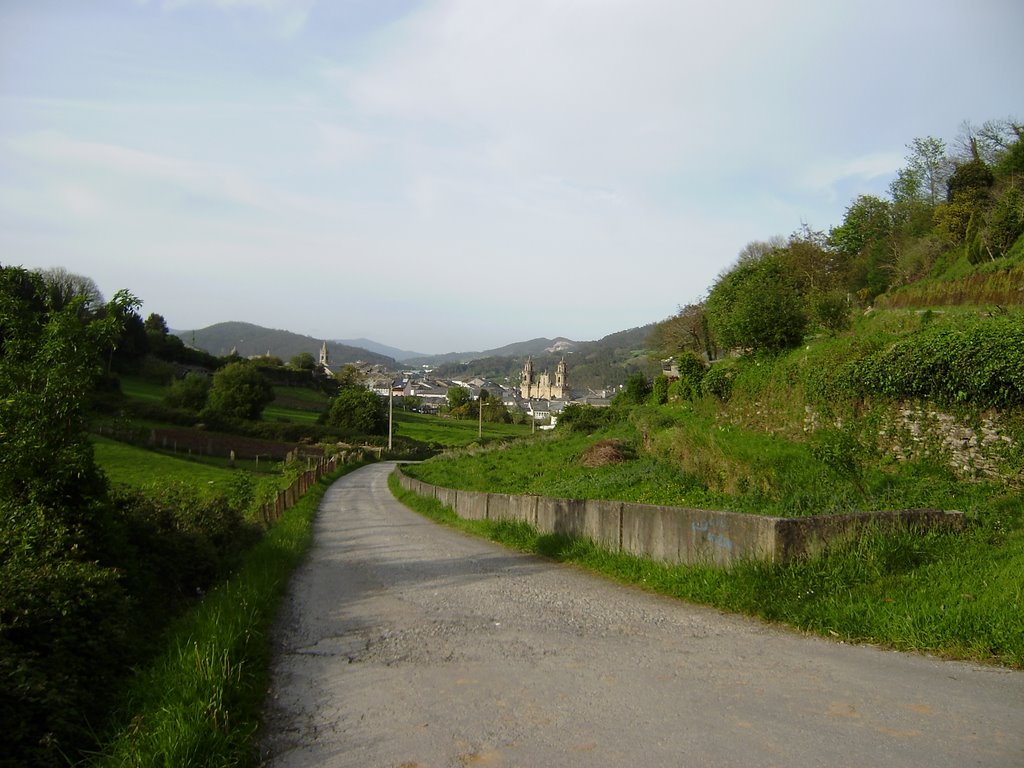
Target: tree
column 930, row 165
column 63, row 287
column 132, row 343
column 350, row 376
column 156, row 324
column 863, row 246
column 687, row 330
column 757, row 307
column 61, row 635
column 190, row 392
column 635, row 391
column 457, row 396
column 50, row 359
column 358, row 411
column 303, row 361
column 239, row 391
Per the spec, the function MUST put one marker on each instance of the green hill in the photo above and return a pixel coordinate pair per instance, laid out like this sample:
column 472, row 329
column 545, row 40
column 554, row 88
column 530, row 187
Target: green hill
column 250, row 340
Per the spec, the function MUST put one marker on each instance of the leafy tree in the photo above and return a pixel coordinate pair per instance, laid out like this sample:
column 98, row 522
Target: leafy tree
column 577, row 417
column 239, row 391
column 350, row 376
column 132, row 343
column 863, row 246
column 659, row 389
column 303, row 361
column 61, row 637
column 687, row 330
column 358, row 411
column 63, row 287
column 691, row 370
column 930, row 166
column 757, row 307
column 635, row 391
column 156, row 324
column 50, row 359
column 831, row 310
column 190, row 392
column 457, row 396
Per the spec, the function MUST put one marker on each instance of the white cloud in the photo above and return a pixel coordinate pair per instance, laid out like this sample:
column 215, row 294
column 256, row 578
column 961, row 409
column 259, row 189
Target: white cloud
column 824, row 175
column 289, row 16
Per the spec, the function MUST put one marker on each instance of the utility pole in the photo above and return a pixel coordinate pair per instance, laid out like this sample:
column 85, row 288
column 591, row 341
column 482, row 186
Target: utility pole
column 480, row 429
column 391, row 411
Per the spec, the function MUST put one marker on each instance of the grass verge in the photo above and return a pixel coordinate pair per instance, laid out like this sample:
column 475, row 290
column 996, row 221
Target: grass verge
column 199, row 702
column 937, row 593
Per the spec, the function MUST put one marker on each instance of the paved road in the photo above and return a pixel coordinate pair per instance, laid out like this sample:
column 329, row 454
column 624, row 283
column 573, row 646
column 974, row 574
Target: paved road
column 405, row 644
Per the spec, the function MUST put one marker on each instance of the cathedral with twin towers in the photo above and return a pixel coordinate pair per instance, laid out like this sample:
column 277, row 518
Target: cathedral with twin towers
column 533, row 387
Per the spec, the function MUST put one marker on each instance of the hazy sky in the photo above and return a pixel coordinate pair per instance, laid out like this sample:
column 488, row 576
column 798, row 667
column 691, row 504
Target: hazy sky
column 462, row 174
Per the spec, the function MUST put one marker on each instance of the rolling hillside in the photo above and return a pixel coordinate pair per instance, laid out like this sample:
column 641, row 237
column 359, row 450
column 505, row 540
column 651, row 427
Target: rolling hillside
column 249, row 340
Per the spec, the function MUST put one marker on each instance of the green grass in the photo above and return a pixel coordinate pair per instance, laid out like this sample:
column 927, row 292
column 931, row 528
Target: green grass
column 199, row 703
column 139, row 467
column 149, row 469
column 956, row 595
column 453, row 433
column 139, row 389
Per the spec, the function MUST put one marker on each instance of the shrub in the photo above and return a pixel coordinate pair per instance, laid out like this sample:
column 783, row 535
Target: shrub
column 239, row 391
column 979, row 361
column 577, row 417
column 718, row 380
column 659, row 390
column 358, row 411
column 635, row 392
column 757, row 306
column 190, row 392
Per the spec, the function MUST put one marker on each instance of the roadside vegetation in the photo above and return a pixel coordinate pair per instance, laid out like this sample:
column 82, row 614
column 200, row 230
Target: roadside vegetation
column 198, row 701
column 877, row 366
column 935, row 593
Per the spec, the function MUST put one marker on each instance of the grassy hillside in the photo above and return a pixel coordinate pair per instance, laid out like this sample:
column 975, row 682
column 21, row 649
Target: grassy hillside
column 249, row 340
column 907, row 409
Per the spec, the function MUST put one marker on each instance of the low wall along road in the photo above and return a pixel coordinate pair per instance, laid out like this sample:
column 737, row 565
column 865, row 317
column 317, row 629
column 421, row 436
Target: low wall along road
column 678, row 534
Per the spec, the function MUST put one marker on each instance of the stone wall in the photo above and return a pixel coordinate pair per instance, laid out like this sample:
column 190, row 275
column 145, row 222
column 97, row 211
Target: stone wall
column 677, row 534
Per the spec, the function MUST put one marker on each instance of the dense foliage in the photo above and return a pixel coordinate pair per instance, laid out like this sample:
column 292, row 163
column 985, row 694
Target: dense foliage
column 979, row 361
column 358, row 411
column 86, row 577
column 239, row 391
column 950, row 217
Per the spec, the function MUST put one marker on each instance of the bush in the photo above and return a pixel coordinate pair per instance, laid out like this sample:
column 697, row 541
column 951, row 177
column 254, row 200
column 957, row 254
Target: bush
column 190, row 392
column 718, row 380
column 577, row 417
column 980, row 361
column 635, row 392
column 239, row 391
column 691, row 369
column 358, row 411
column 757, row 307
column 659, row 390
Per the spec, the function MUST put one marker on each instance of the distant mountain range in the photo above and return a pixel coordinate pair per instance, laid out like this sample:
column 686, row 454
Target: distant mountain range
column 381, row 349
column 250, row 340
column 596, row 363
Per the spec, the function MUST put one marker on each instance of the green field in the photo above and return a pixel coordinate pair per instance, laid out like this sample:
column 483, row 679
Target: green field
column 453, row 433
column 144, row 469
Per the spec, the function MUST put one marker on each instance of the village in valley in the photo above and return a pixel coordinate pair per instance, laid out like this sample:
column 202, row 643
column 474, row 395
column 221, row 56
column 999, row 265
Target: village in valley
column 538, row 395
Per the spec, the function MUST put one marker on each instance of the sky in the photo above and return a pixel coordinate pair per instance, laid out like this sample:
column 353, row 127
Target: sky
column 457, row 175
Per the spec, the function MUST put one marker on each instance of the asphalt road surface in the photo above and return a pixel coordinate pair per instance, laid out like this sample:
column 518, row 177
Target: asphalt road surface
column 402, row 643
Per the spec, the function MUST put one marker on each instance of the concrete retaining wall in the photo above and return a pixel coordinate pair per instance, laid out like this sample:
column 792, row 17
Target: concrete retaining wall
column 676, row 534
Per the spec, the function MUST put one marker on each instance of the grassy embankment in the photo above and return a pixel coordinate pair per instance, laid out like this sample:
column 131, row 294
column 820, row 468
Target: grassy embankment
column 774, row 447
column 199, row 701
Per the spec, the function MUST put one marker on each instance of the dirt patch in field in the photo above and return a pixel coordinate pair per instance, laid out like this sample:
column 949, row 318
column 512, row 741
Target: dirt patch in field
column 605, row 452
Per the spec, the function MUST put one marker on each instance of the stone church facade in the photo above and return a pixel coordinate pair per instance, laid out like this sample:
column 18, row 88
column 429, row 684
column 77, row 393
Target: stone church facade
column 540, row 387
